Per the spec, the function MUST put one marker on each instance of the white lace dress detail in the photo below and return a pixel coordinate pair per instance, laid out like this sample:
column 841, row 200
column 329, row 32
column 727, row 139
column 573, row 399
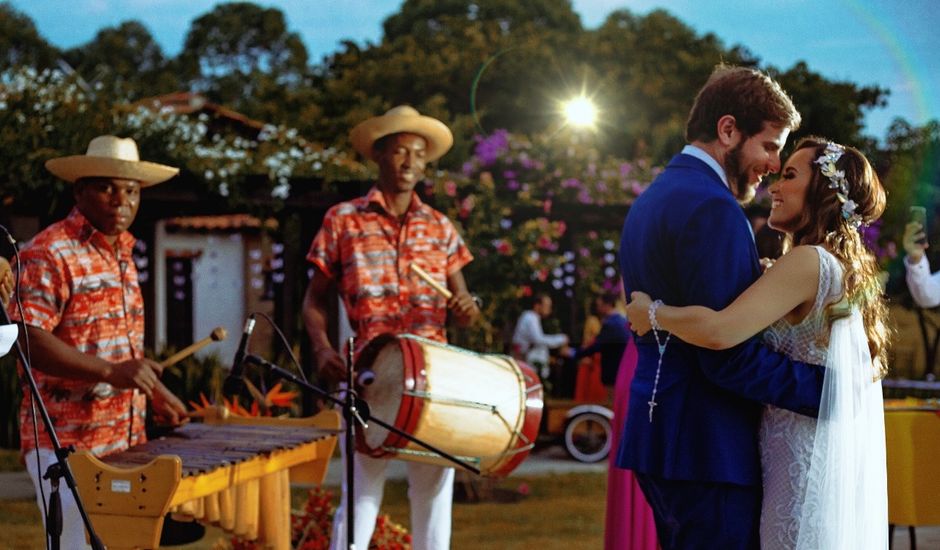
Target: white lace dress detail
column 786, row 438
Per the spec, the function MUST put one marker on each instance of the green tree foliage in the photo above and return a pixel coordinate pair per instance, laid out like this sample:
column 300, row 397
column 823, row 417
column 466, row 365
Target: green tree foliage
column 125, row 62
column 508, row 65
column 20, row 43
column 830, row 109
column 48, row 114
column 511, row 58
column 418, row 17
column 45, row 114
column 243, row 56
column 649, row 69
column 910, row 168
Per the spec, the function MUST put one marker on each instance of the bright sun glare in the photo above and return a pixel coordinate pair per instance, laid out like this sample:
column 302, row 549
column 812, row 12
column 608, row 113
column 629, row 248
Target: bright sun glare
column 580, row 111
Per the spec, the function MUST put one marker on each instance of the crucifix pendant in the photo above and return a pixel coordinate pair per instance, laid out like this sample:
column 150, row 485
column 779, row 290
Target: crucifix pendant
column 652, row 404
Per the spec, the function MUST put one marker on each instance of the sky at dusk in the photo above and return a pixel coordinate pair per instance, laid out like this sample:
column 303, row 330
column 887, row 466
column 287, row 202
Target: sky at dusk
column 887, row 43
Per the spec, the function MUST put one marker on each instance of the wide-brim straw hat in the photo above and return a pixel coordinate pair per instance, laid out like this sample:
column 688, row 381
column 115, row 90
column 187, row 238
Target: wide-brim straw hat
column 402, row 119
column 111, row 157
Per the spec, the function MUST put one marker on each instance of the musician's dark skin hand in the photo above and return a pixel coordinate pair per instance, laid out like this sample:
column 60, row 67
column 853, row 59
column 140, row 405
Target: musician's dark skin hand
column 53, row 356
column 461, row 304
column 143, row 374
column 6, row 281
column 464, row 308
column 330, row 366
column 167, row 408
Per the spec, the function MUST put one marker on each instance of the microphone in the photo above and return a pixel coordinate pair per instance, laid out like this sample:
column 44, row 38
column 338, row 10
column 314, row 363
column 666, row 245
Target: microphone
column 234, row 383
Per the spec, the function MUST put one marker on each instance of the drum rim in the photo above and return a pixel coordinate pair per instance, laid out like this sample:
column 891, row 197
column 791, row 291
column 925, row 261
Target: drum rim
column 522, row 443
column 410, row 408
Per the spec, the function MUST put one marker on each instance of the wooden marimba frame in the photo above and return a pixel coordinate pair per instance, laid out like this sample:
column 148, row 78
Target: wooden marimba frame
column 228, row 471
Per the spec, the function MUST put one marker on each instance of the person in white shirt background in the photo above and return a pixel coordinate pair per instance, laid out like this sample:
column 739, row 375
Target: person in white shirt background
column 530, row 343
column 924, row 286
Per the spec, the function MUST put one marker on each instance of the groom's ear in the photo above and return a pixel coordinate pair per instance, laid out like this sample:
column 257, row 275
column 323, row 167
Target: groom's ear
column 728, row 132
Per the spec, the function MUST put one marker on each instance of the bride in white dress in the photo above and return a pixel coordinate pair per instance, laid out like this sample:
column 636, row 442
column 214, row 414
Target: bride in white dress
column 824, row 480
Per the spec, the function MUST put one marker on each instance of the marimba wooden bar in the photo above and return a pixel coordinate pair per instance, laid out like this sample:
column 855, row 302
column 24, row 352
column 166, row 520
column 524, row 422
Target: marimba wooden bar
column 228, row 471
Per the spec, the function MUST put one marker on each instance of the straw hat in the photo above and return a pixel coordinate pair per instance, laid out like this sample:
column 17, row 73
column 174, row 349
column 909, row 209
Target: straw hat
column 398, row 120
column 110, row 157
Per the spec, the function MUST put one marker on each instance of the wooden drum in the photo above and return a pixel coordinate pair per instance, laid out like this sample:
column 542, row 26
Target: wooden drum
column 482, row 408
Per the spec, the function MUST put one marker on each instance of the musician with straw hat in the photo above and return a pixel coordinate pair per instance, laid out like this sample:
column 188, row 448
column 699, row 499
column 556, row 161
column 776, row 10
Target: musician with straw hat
column 366, row 250
column 84, row 316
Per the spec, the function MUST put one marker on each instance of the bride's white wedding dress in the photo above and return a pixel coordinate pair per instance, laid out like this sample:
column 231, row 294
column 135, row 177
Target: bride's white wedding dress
column 824, row 482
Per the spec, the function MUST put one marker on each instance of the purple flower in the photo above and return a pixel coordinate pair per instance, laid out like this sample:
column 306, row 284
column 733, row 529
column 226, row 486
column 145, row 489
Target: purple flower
column 512, row 185
column 870, row 234
column 489, row 148
column 625, row 169
column 571, row 183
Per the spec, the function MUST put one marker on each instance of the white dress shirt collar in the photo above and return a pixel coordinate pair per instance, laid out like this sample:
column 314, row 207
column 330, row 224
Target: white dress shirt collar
column 700, row 154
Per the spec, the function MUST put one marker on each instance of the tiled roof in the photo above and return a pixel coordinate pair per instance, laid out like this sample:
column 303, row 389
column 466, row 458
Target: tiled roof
column 189, row 102
column 227, row 222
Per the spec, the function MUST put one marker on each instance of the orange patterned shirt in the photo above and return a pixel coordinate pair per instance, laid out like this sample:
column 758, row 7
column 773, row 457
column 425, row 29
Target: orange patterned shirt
column 74, row 285
column 368, row 250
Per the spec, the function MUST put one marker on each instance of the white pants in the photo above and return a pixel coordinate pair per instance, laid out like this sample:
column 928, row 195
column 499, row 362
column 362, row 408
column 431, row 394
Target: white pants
column 73, row 528
column 430, row 491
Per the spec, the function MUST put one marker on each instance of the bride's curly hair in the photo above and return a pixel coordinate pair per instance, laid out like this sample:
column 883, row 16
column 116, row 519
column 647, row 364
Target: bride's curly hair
column 822, row 223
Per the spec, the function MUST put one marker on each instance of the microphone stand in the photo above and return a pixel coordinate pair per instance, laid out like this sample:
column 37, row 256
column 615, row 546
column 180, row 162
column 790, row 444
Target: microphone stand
column 61, row 467
column 354, row 409
column 350, row 413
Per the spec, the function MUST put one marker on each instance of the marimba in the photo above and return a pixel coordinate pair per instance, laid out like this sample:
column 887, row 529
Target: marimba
column 229, row 471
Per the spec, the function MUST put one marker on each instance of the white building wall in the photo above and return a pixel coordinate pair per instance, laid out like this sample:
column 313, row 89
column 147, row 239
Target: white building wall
column 218, row 287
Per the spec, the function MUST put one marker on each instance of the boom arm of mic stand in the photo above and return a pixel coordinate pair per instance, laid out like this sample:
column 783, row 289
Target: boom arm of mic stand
column 60, row 453
column 364, row 410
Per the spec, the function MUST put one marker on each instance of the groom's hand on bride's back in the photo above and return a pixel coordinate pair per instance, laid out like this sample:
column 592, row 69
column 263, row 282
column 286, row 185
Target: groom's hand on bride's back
column 638, row 312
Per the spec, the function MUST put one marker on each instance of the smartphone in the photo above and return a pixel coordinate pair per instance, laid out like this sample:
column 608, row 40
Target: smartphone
column 919, row 214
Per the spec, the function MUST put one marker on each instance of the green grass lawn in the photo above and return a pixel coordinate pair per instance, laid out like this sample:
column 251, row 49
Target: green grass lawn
column 560, row 512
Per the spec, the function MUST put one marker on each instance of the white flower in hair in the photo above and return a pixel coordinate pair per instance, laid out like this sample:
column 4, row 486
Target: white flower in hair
column 827, row 166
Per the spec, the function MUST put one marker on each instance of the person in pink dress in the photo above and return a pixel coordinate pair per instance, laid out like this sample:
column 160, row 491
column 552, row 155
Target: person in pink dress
column 629, row 523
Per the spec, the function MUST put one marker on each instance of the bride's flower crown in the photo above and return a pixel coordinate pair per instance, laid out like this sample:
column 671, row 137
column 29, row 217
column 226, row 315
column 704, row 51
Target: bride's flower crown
column 827, row 165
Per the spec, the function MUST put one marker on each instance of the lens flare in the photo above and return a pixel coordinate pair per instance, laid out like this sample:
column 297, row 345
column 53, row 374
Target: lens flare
column 580, row 111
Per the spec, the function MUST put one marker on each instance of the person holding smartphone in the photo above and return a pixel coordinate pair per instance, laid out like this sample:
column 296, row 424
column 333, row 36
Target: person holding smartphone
column 924, row 286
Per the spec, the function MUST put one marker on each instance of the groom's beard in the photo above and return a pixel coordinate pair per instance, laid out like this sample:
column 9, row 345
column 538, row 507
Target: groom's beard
column 738, row 175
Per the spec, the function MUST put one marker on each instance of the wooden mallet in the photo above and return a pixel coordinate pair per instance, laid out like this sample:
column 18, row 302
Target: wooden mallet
column 442, row 290
column 218, row 334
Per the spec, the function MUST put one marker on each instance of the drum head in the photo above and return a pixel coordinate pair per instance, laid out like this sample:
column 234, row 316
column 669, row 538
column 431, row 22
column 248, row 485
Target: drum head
column 384, row 396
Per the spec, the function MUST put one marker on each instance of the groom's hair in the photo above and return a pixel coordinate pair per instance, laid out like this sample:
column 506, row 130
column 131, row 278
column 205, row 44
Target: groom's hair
column 750, row 96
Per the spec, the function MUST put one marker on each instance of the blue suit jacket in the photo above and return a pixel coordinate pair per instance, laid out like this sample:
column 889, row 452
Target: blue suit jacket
column 611, row 342
column 686, row 241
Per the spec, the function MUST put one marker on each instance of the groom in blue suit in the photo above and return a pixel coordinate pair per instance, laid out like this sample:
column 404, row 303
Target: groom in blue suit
column 686, row 240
